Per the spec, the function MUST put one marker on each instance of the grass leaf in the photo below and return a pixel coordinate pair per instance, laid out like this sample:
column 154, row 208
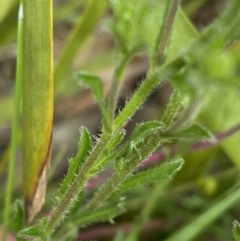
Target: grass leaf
column 37, row 102
column 203, row 220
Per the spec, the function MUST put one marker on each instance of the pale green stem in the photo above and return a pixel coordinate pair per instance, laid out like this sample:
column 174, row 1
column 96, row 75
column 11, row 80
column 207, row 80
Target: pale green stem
column 15, row 126
column 164, row 33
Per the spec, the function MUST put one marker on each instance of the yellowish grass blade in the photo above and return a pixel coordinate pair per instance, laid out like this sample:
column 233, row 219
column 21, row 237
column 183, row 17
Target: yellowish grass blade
column 37, row 101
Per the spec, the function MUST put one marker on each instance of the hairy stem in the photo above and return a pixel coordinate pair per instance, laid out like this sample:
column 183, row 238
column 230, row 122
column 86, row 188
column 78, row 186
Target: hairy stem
column 60, row 211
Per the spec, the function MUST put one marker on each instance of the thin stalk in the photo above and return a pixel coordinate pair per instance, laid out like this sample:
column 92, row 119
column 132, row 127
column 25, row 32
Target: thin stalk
column 112, row 99
column 117, row 80
column 164, row 33
column 149, row 84
column 15, row 125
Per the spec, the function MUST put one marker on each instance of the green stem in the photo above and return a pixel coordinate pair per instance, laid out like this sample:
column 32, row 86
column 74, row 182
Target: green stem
column 85, row 173
column 164, row 33
column 117, row 79
column 15, row 125
column 152, row 143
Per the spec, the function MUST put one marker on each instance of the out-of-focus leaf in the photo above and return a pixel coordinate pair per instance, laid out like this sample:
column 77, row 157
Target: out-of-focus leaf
column 5, row 8
column 80, row 33
column 18, row 221
column 191, row 133
column 220, row 113
column 202, row 221
column 143, row 28
column 35, row 231
column 104, row 213
column 37, row 102
column 236, row 230
column 8, row 21
column 160, row 173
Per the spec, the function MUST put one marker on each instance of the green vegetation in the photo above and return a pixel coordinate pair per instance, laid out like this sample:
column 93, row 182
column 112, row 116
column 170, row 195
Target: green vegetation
column 192, row 138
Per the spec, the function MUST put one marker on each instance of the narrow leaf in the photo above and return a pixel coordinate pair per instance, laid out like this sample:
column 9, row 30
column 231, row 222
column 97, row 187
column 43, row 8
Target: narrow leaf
column 151, row 143
column 86, row 25
column 109, row 153
column 37, row 102
column 236, row 230
column 96, row 85
column 191, row 133
column 160, row 173
column 18, row 221
column 146, row 129
column 115, row 140
column 172, row 109
column 34, row 231
column 75, row 163
column 104, row 213
column 140, row 132
column 199, row 223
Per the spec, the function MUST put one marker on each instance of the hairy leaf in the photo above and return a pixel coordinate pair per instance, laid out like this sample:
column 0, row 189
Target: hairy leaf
column 172, row 109
column 191, row 133
column 18, row 221
column 160, row 173
column 75, row 163
column 95, row 84
column 109, row 153
column 103, row 213
column 140, row 132
column 34, row 231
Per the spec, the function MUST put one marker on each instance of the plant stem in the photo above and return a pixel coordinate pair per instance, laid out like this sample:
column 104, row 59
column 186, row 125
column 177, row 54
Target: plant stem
column 60, row 211
column 151, row 144
column 164, row 33
column 117, row 79
column 15, row 125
